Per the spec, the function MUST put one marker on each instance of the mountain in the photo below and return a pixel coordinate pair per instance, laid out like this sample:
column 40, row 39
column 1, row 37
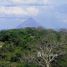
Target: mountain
column 28, row 23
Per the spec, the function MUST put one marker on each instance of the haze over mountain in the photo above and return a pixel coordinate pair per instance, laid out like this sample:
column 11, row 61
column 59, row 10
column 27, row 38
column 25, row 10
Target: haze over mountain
column 29, row 23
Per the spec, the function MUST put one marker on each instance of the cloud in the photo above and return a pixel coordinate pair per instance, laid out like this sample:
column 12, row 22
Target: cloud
column 32, row 11
column 45, row 1
column 29, row 1
column 16, row 1
column 23, row 1
column 12, row 11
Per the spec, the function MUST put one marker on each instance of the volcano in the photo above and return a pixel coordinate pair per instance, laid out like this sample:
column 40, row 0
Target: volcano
column 29, row 23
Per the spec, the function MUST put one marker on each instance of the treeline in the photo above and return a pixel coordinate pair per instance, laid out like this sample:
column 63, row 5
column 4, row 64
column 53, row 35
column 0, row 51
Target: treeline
column 19, row 47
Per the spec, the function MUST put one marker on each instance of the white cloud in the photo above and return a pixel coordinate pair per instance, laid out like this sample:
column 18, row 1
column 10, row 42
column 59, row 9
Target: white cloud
column 32, row 11
column 45, row 1
column 12, row 11
column 19, row 10
column 16, row 1
column 29, row 1
column 23, row 1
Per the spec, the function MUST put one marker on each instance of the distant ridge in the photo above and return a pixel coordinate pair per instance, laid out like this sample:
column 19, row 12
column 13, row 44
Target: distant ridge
column 29, row 23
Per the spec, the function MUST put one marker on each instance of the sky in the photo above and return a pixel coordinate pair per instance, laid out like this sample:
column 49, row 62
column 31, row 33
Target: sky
column 48, row 13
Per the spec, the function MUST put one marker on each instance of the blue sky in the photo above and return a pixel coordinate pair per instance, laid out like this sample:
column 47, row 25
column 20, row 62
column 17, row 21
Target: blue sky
column 48, row 13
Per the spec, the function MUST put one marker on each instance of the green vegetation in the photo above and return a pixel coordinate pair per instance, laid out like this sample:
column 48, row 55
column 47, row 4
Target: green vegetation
column 30, row 46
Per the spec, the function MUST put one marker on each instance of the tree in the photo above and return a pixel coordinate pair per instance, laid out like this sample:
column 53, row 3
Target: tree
column 49, row 52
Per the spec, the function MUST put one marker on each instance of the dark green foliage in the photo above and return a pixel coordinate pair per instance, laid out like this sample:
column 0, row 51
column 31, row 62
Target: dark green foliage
column 19, row 46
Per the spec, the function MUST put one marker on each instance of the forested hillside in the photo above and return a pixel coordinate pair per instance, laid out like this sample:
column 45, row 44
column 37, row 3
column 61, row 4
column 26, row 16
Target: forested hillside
column 33, row 47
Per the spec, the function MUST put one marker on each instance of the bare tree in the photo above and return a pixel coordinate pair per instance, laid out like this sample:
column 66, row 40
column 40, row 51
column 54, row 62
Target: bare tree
column 49, row 51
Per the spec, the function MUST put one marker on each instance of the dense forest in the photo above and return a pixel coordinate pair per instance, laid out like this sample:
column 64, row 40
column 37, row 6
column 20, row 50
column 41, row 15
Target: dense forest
column 33, row 47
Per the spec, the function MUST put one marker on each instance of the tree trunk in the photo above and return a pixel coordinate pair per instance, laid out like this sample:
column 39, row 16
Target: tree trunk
column 47, row 64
